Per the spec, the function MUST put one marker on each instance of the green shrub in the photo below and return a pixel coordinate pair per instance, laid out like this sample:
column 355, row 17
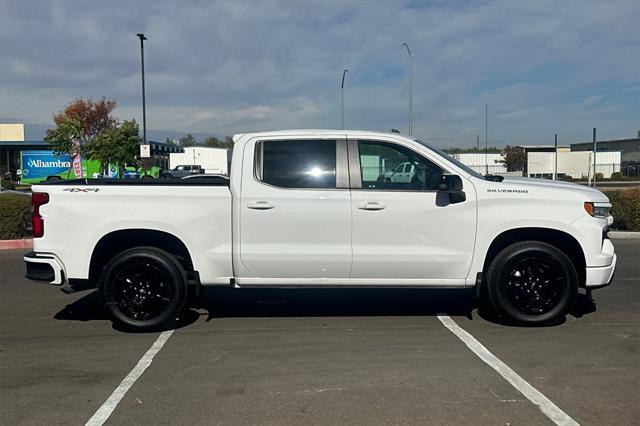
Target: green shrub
column 15, row 216
column 8, row 184
column 625, row 209
column 617, row 176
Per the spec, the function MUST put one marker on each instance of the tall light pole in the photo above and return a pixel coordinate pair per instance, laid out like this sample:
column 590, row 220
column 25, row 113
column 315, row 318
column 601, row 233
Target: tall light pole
column 555, row 167
column 410, row 88
column 486, row 138
column 595, row 150
column 342, row 97
column 144, row 107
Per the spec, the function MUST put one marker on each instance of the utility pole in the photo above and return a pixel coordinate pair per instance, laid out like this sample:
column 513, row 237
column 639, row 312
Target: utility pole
column 486, row 138
column 144, row 107
column 342, row 98
column 594, row 157
column 555, row 168
column 478, row 142
column 410, row 89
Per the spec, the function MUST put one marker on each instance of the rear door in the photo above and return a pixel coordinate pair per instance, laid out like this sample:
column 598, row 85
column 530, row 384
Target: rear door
column 405, row 229
column 295, row 210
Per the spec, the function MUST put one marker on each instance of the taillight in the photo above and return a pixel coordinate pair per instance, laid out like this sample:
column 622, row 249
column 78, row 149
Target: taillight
column 37, row 223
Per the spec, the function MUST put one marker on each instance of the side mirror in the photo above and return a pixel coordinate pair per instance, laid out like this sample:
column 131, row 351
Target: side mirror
column 452, row 184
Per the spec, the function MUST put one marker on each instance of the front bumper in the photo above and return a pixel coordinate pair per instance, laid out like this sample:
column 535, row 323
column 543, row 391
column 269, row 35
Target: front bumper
column 44, row 267
column 600, row 276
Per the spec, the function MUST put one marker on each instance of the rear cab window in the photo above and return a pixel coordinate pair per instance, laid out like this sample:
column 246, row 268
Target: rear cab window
column 297, row 163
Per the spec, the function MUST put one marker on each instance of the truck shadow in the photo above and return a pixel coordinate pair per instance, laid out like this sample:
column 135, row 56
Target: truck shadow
column 229, row 303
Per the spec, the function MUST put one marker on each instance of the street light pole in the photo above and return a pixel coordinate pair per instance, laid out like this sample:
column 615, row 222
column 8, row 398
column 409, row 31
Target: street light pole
column 486, row 138
column 410, row 88
column 144, row 107
column 342, row 98
column 555, row 167
column 595, row 150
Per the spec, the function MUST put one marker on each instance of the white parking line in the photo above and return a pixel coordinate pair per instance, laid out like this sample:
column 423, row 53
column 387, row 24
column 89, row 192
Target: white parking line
column 110, row 404
column 549, row 409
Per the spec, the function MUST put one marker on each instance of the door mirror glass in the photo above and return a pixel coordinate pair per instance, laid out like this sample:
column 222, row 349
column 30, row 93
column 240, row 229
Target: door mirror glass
column 452, row 185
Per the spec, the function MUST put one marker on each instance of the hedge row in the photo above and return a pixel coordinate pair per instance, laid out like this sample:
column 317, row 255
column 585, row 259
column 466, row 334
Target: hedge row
column 625, row 209
column 15, row 216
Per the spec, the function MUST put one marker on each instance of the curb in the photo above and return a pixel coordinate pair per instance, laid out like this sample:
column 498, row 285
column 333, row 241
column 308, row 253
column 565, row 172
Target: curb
column 624, row 235
column 16, row 244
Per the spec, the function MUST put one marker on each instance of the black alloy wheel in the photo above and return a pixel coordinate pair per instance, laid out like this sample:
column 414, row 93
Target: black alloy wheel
column 144, row 289
column 532, row 283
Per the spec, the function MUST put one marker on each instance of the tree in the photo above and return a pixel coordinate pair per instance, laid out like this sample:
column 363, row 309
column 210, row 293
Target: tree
column 514, row 159
column 61, row 139
column 472, row 150
column 78, row 124
column 95, row 117
column 118, row 145
column 214, row 142
column 188, row 140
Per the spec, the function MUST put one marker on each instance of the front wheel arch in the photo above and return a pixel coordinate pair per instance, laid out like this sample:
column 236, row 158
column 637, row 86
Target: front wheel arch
column 561, row 240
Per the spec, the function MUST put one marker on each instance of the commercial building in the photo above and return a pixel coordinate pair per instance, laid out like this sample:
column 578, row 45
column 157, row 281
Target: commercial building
column 12, row 144
column 629, row 148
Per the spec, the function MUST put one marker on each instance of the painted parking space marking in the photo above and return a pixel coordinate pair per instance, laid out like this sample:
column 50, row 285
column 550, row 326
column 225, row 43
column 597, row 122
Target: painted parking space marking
column 545, row 405
column 111, row 403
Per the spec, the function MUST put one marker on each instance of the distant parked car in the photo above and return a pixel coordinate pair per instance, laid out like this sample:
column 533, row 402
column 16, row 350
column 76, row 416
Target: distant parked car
column 403, row 173
column 183, row 170
column 131, row 174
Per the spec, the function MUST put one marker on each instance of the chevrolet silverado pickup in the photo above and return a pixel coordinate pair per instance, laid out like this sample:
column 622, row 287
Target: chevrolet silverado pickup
column 316, row 208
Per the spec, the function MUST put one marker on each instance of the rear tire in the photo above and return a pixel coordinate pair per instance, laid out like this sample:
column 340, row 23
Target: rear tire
column 167, row 175
column 144, row 289
column 532, row 283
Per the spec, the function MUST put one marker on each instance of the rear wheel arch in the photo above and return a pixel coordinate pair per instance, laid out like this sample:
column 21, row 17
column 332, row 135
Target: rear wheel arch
column 116, row 242
column 561, row 240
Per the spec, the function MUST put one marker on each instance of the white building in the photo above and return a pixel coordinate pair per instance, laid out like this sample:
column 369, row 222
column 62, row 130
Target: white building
column 577, row 164
column 212, row 160
column 480, row 161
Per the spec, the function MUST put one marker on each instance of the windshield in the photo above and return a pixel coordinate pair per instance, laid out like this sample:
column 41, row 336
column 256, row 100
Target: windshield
column 451, row 159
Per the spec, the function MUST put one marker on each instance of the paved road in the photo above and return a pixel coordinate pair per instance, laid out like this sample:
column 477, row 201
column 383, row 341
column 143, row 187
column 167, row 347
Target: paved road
column 319, row 357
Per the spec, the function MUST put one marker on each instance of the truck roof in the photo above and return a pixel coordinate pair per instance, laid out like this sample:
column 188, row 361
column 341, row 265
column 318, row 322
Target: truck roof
column 318, row 132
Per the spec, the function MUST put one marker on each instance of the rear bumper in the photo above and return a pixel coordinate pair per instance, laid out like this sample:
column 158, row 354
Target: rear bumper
column 600, row 276
column 44, row 267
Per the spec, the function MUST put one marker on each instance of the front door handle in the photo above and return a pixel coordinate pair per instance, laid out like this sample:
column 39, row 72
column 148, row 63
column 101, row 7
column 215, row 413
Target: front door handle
column 261, row 205
column 371, row 205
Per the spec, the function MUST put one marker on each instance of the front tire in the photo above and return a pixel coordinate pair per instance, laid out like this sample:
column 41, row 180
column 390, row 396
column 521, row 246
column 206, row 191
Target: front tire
column 532, row 283
column 144, row 289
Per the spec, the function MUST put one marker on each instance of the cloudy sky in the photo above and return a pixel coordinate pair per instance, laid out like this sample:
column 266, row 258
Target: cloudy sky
column 216, row 67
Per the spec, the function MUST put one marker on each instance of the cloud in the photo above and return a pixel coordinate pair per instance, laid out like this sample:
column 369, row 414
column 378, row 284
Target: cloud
column 225, row 67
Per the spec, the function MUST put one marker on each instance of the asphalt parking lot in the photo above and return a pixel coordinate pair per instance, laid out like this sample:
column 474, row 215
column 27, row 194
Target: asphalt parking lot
column 318, row 357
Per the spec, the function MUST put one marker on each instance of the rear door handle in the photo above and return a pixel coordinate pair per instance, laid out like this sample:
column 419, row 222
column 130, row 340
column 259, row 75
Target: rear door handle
column 371, row 205
column 261, row 205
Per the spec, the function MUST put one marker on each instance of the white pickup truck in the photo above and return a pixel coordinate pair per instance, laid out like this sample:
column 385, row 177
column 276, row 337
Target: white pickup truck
column 315, row 208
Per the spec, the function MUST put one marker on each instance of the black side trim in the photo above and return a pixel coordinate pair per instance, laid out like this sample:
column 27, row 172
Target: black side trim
column 34, row 255
column 478, row 286
column 138, row 182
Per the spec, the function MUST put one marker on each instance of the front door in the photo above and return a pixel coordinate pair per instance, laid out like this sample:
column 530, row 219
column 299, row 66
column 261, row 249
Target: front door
column 403, row 229
column 295, row 210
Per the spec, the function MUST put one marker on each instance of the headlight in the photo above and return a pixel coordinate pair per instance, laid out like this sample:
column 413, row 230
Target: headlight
column 599, row 210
